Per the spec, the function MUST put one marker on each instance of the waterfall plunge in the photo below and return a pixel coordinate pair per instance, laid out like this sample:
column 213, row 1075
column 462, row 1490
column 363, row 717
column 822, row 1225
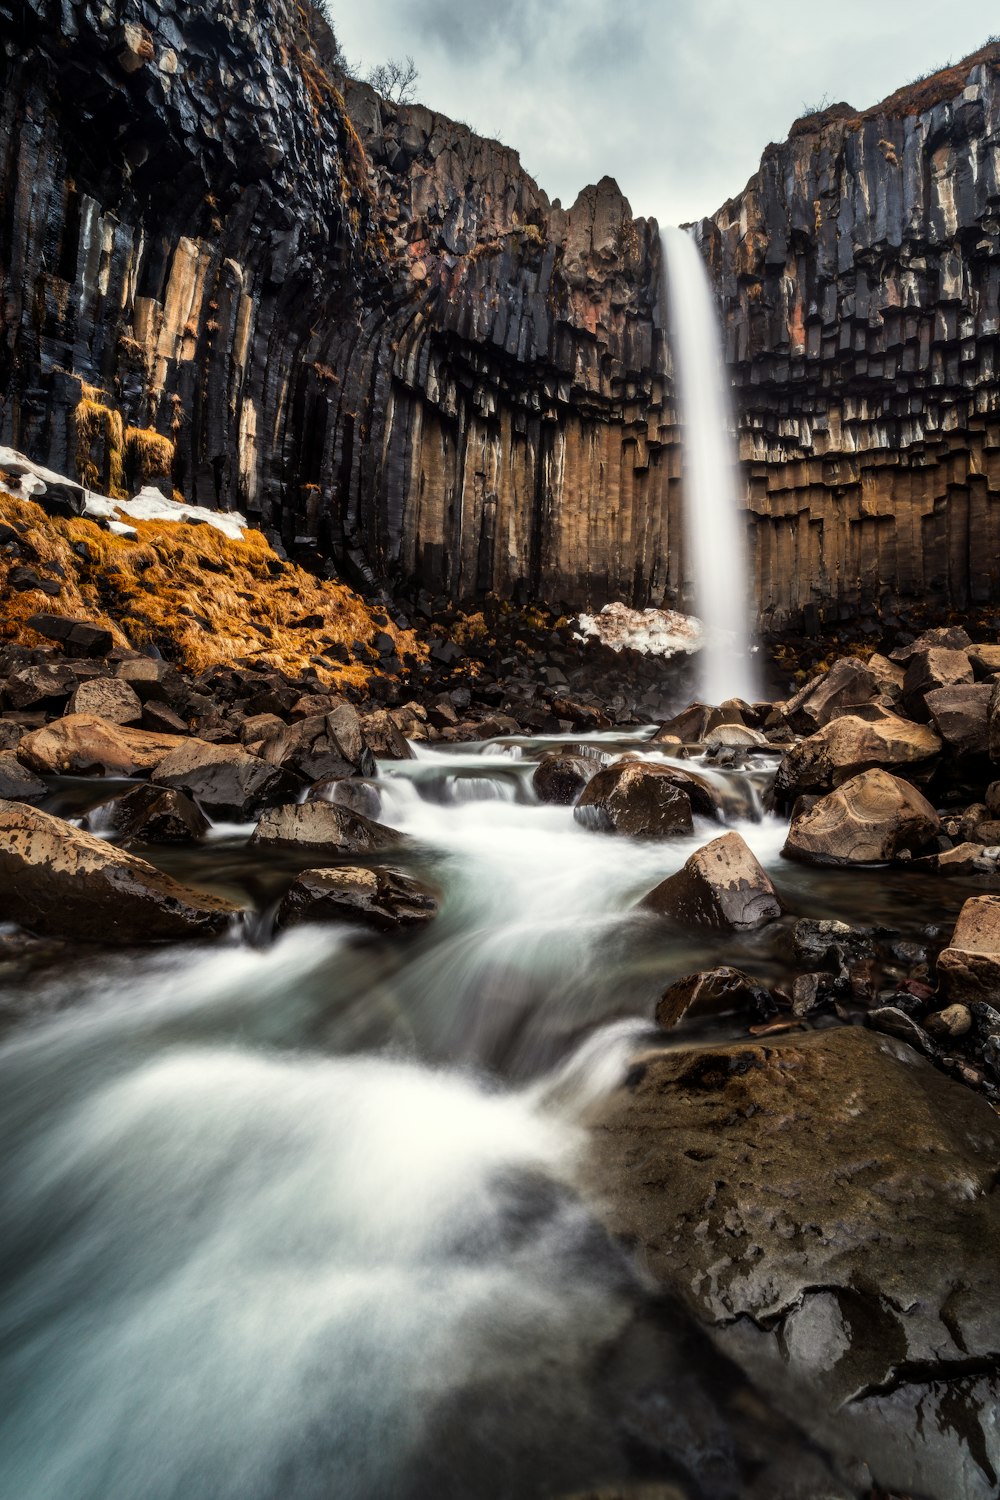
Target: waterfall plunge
column 711, row 492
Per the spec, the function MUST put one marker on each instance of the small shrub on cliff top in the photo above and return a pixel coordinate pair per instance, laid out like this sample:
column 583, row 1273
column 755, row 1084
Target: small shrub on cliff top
column 395, row 80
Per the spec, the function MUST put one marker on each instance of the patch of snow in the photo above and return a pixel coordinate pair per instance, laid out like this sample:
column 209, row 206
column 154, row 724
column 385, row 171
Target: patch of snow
column 654, row 632
column 26, row 480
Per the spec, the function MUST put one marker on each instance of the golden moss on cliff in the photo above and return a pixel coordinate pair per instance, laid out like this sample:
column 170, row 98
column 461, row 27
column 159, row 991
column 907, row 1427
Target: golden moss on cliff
column 199, row 596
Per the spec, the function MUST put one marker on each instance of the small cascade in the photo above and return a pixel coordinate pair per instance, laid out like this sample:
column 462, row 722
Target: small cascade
column 713, row 521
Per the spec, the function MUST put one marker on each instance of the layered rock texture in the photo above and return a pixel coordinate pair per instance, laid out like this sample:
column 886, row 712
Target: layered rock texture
column 232, row 272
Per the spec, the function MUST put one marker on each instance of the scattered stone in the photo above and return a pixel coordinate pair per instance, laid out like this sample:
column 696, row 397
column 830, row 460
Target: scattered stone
column 711, row 991
column 225, row 780
column 84, row 745
column 722, row 885
column 895, row 1021
column 61, row 881
column 108, row 698
column 561, row 778
column 35, row 687
column 160, row 719
column 325, row 826
column 635, row 798
column 868, row 820
column 378, row 897
column 848, row 684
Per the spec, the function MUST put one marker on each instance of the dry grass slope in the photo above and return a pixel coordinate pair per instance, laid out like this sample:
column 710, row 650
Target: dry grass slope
column 200, row 597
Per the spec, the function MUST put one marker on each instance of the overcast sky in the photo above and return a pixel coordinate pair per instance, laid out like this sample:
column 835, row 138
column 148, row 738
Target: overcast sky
column 676, row 99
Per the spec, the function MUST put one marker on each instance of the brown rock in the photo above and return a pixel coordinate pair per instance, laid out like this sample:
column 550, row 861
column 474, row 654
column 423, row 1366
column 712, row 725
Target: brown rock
column 934, row 667
column 84, row 745
column 635, row 798
column 985, row 660
column 17, row 783
column 32, row 686
column 560, row 778
column 969, row 968
column 868, row 820
column 160, row 719
column 324, row 826
column 381, row 898
column 149, row 814
column 961, row 716
column 109, row 698
column 78, row 637
column 321, row 746
column 722, row 885
column 350, row 792
column 848, row 745
column 384, row 737
column 711, row 991
column 63, row 882
column 848, row 684
column 260, row 727
column 226, row 780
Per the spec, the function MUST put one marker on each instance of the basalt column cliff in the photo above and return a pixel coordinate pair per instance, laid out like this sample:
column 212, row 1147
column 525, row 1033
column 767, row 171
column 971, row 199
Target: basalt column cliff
column 234, row 272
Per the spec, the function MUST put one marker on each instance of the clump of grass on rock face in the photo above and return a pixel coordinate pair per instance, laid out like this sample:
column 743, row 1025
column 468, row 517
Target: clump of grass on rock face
column 239, row 600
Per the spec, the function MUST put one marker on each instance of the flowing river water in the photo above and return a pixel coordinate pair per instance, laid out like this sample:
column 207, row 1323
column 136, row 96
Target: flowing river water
column 301, row 1217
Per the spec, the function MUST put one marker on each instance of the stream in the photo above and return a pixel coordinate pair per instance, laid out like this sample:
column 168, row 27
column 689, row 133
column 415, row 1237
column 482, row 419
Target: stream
column 301, row 1217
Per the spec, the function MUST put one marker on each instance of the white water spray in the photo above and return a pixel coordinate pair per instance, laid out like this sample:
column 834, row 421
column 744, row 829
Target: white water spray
column 711, row 491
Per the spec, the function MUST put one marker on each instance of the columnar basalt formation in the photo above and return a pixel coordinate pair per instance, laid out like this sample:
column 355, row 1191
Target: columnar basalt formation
column 231, row 271
column 859, row 273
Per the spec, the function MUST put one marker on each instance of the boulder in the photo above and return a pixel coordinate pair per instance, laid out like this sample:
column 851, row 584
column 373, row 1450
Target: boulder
column 969, row 968
column 381, row 898
column 321, row 746
column 868, row 820
column 32, row 687
column 826, row 1204
column 77, row 637
column 108, row 698
column 84, row 745
column 149, row 814
column 561, row 778
column 63, row 882
column 848, row 684
column 848, row 745
column 351, row 792
column 960, row 715
column 933, row 667
column 160, row 719
column 636, row 798
column 17, row 783
column 259, row 728
column 324, row 826
column 722, row 885
column 384, row 737
column 985, row 660
column 226, row 780
column 713, row 990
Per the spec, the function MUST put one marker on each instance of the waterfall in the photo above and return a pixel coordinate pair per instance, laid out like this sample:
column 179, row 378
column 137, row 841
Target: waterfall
column 713, row 522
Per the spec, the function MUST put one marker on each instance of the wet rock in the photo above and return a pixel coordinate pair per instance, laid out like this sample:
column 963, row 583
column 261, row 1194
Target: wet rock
column 711, row 991
column 734, row 737
column 964, row 859
column 868, row 820
column 895, row 1021
column 722, row 885
column 969, row 968
column 826, row 1205
column 561, row 778
column 321, row 746
column 325, row 826
column 84, row 745
column 60, row 881
column 351, row 792
column 581, row 715
column 17, row 783
column 829, row 944
column 377, row 897
column 150, row 815
column 225, row 780
column 848, row 746
column 635, row 798
column 961, row 716
column 109, row 699
column 927, row 670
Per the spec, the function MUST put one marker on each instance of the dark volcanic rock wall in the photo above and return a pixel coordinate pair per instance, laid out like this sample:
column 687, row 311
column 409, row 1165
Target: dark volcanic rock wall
column 860, row 276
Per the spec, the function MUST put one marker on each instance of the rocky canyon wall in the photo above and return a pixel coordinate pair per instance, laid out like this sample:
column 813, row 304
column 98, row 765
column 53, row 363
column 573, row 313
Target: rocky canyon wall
column 230, row 270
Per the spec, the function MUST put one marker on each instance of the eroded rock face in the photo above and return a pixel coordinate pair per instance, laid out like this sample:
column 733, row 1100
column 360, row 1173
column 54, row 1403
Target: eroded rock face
column 866, row 821
column 827, row 1204
column 384, row 899
column 722, row 885
column 61, row 882
column 635, row 798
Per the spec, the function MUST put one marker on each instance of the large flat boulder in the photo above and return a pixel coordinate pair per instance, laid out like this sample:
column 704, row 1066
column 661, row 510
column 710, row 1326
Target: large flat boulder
column 326, row 827
column 868, row 820
column 85, row 745
column 636, row 798
column 722, row 885
column 827, row 1205
column 226, row 780
column 383, row 899
column 851, row 744
column 62, row 882
column 969, row 968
